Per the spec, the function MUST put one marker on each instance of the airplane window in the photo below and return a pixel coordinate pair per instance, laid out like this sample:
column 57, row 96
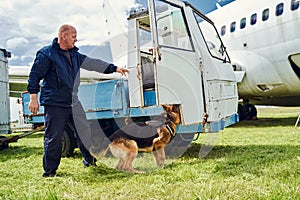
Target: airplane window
column 253, row 19
column 223, row 30
column 279, row 9
column 265, row 14
column 294, row 4
column 243, row 23
column 232, row 27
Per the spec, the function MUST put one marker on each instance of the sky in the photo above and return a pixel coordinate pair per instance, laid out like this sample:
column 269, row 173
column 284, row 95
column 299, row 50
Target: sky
column 28, row 25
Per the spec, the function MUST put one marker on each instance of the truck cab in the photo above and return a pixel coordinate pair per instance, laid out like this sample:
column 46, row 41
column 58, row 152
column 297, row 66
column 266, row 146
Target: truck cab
column 176, row 56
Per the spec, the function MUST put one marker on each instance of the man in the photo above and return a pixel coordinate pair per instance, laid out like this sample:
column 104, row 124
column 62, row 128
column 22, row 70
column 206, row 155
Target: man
column 58, row 65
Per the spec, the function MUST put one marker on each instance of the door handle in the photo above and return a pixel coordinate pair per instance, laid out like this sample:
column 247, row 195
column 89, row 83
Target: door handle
column 159, row 53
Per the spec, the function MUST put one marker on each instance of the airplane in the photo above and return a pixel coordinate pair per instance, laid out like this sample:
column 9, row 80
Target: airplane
column 263, row 41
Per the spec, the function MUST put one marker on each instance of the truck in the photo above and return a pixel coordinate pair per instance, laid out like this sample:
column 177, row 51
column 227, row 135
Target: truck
column 175, row 57
column 4, row 95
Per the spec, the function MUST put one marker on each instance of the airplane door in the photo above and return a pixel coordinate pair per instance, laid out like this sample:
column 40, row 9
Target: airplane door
column 178, row 75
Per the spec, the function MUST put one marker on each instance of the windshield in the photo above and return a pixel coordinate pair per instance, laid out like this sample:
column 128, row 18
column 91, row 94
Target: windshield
column 212, row 38
column 172, row 28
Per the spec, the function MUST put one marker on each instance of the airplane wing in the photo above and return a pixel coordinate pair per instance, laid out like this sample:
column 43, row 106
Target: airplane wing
column 18, row 78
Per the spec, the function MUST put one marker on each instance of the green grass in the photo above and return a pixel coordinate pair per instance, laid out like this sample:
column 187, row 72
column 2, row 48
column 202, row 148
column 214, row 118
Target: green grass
column 249, row 160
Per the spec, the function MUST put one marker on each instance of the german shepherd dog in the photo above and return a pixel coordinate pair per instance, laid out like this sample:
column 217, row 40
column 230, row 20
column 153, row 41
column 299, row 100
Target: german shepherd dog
column 126, row 142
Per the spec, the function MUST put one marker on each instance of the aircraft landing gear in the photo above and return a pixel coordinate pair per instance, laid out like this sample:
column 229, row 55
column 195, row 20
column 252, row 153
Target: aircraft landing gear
column 247, row 112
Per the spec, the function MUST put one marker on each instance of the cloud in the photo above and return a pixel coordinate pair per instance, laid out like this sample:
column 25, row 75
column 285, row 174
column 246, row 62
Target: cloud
column 28, row 25
column 16, row 42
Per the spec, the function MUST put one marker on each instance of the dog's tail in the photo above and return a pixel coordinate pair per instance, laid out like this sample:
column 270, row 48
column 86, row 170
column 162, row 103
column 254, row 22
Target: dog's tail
column 101, row 149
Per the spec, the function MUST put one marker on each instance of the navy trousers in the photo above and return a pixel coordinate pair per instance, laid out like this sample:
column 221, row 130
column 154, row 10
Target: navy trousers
column 56, row 119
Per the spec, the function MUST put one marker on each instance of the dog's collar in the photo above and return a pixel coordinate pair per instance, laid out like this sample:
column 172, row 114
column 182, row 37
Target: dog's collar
column 173, row 133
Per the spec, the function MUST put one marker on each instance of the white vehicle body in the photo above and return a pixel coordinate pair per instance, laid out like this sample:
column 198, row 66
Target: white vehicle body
column 177, row 58
column 4, row 97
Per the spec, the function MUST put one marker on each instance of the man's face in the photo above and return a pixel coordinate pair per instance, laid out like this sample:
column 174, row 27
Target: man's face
column 70, row 38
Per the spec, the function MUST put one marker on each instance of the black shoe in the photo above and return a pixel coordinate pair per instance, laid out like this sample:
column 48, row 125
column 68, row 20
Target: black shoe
column 87, row 164
column 49, row 175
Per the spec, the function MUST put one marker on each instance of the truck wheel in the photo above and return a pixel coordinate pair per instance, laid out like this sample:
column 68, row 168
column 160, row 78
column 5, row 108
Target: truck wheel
column 68, row 143
column 241, row 112
column 247, row 112
column 3, row 145
column 251, row 112
column 180, row 143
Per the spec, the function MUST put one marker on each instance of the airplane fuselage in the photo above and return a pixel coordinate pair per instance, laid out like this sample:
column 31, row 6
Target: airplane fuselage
column 263, row 41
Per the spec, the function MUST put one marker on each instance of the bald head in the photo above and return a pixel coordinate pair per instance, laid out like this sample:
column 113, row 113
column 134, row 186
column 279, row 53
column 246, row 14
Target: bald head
column 67, row 36
column 66, row 28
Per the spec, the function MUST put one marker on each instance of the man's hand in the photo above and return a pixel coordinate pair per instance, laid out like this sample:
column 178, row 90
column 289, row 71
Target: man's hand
column 121, row 70
column 33, row 104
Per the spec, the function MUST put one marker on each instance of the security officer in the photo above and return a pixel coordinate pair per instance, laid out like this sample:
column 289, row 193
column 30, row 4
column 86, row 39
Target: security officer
column 58, row 65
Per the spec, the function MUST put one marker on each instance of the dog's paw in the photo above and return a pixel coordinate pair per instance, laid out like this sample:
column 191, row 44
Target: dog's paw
column 160, row 163
column 137, row 172
column 134, row 171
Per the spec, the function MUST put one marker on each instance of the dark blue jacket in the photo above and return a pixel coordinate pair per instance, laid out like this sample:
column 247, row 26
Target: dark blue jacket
column 60, row 77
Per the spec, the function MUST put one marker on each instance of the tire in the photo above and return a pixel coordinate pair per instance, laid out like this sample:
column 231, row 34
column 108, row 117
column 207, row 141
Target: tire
column 68, row 143
column 250, row 112
column 3, row 145
column 247, row 112
column 241, row 112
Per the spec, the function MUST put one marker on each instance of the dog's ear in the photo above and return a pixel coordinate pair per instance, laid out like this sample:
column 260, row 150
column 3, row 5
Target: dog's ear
column 166, row 107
